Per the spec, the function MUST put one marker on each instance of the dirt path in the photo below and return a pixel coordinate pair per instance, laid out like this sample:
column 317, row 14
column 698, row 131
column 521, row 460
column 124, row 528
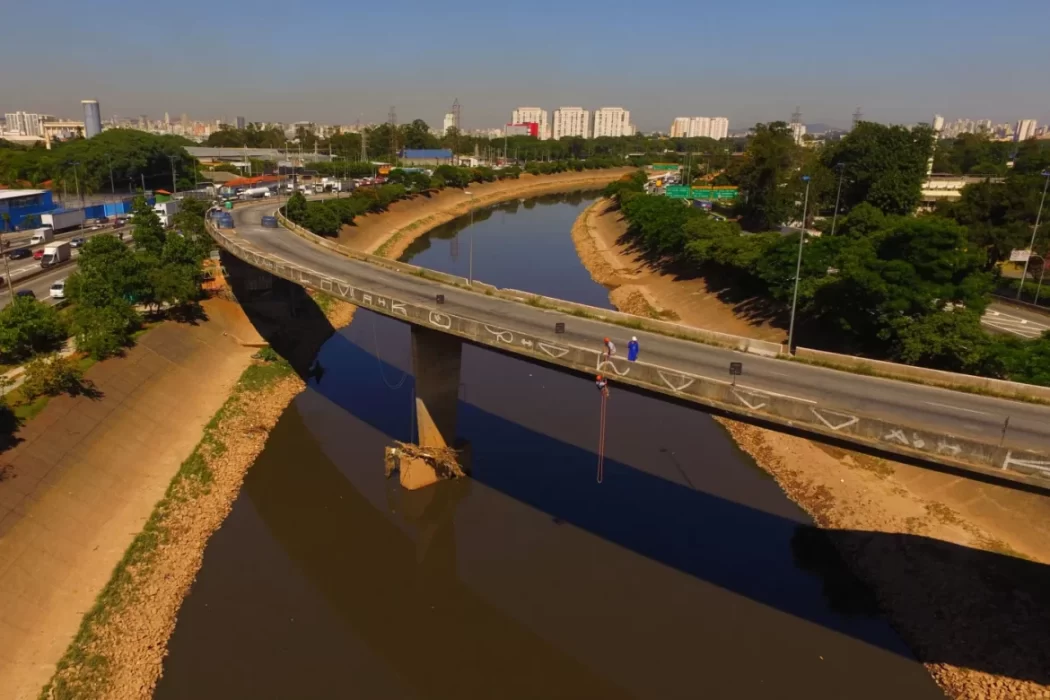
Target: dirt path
column 85, row 478
column 965, row 585
column 391, row 232
column 612, row 261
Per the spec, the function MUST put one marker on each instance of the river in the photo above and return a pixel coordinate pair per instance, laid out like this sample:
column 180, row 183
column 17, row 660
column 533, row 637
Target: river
column 686, row 573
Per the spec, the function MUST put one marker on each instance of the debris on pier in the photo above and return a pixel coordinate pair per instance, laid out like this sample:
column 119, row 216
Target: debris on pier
column 419, row 466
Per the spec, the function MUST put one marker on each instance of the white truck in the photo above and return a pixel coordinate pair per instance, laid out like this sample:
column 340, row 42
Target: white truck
column 64, row 220
column 41, row 235
column 166, row 211
column 56, row 254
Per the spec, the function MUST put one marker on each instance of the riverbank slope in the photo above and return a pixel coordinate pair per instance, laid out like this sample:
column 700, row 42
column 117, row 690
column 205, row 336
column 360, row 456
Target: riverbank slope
column 389, row 233
column 934, row 589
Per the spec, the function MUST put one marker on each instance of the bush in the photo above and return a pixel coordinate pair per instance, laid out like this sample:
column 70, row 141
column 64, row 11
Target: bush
column 103, row 331
column 28, row 326
column 52, row 375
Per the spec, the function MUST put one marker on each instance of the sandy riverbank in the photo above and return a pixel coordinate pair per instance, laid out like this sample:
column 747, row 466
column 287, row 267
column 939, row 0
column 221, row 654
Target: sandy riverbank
column 963, row 575
column 390, row 233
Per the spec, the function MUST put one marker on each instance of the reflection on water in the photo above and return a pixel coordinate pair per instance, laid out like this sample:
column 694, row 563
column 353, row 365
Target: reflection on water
column 676, row 577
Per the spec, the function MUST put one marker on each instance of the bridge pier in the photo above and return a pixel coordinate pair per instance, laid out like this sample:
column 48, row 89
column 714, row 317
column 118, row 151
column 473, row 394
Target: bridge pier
column 436, row 361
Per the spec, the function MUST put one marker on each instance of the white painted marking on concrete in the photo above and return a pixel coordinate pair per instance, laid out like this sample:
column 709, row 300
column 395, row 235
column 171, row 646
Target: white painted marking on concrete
column 1030, row 463
column 846, row 419
column 603, row 364
column 944, row 447
column 682, row 382
column 553, row 350
column 955, row 408
column 753, row 406
column 917, row 442
column 526, row 343
column 398, row 307
column 441, row 320
column 770, row 393
column 501, row 335
column 345, row 290
column 897, row 436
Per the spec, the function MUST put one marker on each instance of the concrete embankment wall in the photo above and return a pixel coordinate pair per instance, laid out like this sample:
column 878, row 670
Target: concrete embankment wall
column 811, row 418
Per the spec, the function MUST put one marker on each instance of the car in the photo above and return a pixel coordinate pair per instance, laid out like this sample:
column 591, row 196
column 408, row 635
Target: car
column 77, row 242
column 25, row 293
column 20, row 254
column 58, row 290
column 38, row 254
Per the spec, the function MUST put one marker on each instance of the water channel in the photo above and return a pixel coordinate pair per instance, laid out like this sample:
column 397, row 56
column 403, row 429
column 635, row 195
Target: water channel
column 687, row 573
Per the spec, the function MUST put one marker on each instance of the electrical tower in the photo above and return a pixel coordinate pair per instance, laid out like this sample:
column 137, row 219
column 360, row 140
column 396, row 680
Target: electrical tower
column 796, row 116
column 391, row 119
column 858, row 117
column 455, row 114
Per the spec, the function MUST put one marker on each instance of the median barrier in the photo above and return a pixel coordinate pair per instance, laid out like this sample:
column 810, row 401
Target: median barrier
column 923, row 375
column 813, row 418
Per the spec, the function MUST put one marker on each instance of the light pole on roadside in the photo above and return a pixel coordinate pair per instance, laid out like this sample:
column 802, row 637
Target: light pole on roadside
column 174, row 182
column 798, row 268
column 1035, row 230
column 835, row 217
column 1039, row 287
column 470, row 255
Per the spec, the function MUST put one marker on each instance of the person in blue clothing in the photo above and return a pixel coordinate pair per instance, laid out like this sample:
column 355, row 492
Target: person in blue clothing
column 632, row 349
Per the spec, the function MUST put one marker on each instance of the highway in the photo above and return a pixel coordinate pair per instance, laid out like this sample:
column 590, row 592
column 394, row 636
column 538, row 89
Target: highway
column 1016, row 320
column 953, row 413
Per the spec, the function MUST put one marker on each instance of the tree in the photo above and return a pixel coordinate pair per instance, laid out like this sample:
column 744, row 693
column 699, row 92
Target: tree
column 771, row 157
column 295, row 210
column 884, row 166
column 103, row 331
column 106, row 269
column 147, row 231
column 51, row 376
column 952, row 341
column 27, row 327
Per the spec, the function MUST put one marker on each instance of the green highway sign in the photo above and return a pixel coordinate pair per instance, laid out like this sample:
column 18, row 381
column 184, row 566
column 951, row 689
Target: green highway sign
column 677, row 191
column 705, row 193
column 665, row 166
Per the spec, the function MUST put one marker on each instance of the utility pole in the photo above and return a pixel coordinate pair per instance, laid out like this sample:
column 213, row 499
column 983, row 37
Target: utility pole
column 143, row 176
column 392, row 121
column 112, row 187
column 1035, row 230
column 835, row 217
column 174, row 182
column 798, row 268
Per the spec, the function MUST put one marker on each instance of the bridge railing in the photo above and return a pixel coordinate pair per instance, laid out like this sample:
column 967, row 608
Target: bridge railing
column 815, row 418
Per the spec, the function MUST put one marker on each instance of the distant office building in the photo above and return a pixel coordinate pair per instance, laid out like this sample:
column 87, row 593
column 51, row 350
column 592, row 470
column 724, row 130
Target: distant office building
column 1025, row 129
column 24, row 123
column 92, row 118
column 167, row 119
column 449, row 123
column 240, row 122
column 532, row 115
column 611, row 121
column 571, row 121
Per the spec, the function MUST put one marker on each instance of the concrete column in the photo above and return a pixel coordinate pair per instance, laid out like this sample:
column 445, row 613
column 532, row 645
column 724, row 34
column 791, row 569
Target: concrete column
column 436, row 364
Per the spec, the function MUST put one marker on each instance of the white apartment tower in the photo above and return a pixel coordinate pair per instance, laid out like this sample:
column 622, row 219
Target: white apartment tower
column 533, row 115
column 571, row 121
column 24, row 123
column 612, row 121
column 450, row 121
column 700, row 127
column 1025, row 129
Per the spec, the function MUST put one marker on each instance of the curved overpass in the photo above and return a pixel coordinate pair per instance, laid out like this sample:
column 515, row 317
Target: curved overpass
column 989, row 435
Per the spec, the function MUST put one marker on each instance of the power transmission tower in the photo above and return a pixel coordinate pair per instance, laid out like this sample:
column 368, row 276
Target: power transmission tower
column 392, row 120
column 858, row 117
column 796, row 116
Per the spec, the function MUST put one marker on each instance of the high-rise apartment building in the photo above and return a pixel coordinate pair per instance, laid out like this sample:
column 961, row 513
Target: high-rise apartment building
column 92, row 118
column 533, row 115
column 700, row 127
column 1025, row 129
column 24, row 123
column 680, row 128
column 571, row 121
column 798, row 130
column 449, row 123
column 241, row 122
column 611, row 121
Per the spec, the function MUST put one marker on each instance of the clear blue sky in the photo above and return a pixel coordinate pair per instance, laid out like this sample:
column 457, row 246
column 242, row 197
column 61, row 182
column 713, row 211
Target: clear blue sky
column 331, row 61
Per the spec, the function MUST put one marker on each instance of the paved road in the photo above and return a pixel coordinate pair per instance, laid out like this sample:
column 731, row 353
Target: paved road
column 1016, row 320
column 955, row 413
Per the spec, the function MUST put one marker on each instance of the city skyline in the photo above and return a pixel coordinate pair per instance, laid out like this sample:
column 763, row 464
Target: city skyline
column 899, row 71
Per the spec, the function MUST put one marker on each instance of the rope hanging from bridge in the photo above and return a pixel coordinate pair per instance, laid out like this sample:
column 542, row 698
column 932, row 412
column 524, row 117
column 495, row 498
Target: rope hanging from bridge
column 601, row 436
column 379, row 362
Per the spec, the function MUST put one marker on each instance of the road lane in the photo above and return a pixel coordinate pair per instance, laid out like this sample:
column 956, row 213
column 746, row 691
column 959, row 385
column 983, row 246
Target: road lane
column 954, row 413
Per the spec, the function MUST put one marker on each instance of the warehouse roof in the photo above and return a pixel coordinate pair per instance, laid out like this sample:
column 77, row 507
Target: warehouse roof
column 423, row 153
column 12, row 194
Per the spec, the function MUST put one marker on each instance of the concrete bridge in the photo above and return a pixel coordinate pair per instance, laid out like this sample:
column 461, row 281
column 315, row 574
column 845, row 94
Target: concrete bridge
column 980, row 435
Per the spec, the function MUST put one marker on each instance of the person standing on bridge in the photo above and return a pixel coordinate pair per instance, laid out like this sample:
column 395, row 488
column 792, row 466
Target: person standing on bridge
column 610, row 349
column 632, row 349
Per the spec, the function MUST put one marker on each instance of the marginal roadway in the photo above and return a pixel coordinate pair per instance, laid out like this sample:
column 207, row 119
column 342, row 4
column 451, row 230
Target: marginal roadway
column 951, row 412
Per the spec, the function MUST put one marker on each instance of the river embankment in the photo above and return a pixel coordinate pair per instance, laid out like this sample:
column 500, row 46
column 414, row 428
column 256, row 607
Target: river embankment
column 963, row 577
column 389, row 233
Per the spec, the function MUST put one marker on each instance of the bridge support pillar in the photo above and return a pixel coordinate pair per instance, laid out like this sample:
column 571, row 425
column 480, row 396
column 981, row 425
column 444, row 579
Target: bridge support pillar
column 436, row 360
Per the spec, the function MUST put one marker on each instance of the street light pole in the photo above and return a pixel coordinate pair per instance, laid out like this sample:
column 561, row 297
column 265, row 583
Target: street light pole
column 1039, row 286
column 835, row 216
column 470, row 256
column 1035, row 230
column 174, row 182
column 798, row 268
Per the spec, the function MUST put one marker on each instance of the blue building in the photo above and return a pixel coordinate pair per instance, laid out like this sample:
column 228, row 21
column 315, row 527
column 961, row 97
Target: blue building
column 426, row 156
column 15, row 205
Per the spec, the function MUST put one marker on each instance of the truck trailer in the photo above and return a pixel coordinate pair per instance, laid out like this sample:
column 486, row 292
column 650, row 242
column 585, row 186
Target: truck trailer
column 166, row 211
column 41, row 235
column 64, row 220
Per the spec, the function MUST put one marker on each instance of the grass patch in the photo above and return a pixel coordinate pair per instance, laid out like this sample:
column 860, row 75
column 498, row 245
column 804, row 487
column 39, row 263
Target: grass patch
column 82, row 673
column 324, row 301
column 388, row 244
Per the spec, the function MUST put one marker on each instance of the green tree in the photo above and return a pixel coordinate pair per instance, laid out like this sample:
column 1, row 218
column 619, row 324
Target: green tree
column 103, row 331
column 295, row 210
column 147, row 231
column 27, row 327
column 770, row 161
column 51, row 376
